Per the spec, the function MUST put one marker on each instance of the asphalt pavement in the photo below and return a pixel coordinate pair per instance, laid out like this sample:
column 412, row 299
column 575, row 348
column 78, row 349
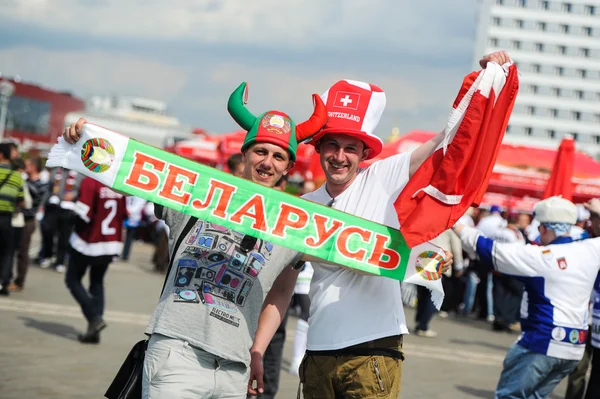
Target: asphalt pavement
column 40, row 356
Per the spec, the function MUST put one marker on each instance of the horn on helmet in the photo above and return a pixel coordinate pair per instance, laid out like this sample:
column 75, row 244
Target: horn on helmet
column 237, row 107
column 307, row 129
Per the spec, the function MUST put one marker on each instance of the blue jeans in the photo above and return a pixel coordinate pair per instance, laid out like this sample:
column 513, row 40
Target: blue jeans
column 91, row 300
column 471, row 285
column 425, row 308
column 531, row 375
column 489, row 294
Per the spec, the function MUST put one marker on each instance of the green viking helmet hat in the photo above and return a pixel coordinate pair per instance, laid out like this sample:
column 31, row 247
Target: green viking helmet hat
column 274, row 126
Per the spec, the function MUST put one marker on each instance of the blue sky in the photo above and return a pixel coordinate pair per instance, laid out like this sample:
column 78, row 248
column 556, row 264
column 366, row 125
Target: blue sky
column 193, row 53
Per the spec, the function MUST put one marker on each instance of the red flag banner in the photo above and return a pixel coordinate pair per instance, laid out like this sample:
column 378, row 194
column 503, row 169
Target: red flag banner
column 457, row 174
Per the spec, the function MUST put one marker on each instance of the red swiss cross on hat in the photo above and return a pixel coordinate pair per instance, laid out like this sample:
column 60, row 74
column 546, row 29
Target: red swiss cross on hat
column 354, row 108
column 345, row 99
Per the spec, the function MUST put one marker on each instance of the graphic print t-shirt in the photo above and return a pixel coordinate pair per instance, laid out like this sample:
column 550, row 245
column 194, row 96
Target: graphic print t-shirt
column 215, row 290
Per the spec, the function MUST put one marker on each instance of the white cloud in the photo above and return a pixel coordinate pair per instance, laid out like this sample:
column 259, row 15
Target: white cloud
column 307, row 23
column 285, row 50
column 93, row 72
column 415, row 98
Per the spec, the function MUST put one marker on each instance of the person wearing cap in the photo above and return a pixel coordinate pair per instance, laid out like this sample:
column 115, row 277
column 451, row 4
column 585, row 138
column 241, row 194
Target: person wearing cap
column 578, row 231
column 558, row 277
column 489, row 224
column 203, row 326
column 357, row 322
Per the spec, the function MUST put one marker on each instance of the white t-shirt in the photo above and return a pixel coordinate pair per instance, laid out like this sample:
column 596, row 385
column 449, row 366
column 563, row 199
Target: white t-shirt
column 490, row 224
column 348, row 308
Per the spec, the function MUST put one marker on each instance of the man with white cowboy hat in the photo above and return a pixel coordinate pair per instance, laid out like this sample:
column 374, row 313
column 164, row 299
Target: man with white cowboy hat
column 357, row 322
column 558, row 278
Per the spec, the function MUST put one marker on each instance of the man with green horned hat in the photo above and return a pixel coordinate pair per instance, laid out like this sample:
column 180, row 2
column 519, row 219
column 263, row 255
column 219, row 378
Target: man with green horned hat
column 202, row 329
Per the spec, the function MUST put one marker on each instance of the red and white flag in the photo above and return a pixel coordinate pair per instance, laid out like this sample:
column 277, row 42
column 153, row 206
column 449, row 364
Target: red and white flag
column 457, row 174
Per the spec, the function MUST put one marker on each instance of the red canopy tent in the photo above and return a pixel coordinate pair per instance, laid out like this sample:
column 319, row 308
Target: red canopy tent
column 561, row 177
column 202, row 149
column 214, row 151
column 520, row 171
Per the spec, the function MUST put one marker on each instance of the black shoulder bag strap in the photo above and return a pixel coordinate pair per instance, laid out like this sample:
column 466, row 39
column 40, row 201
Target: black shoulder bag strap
column 191, row 222
column 8, row 175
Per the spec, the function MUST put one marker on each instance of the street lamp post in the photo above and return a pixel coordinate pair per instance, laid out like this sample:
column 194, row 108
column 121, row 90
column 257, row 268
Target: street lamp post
column 6, row 90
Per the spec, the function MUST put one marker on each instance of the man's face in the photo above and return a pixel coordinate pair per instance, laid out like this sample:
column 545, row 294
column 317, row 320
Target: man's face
column 239, row 170
column 14, row 152
column 265, row 163
column 30, row 168
column 340, row 157
column 523, row 221
column 546, row 235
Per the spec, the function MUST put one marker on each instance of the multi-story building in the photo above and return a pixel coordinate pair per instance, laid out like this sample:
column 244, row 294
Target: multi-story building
column 556, row 45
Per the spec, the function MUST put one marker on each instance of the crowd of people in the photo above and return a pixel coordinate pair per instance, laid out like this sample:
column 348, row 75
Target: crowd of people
column 220, row 323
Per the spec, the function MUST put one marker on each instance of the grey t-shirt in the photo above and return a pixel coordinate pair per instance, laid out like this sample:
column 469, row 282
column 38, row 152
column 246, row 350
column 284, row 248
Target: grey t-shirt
column 215, row 290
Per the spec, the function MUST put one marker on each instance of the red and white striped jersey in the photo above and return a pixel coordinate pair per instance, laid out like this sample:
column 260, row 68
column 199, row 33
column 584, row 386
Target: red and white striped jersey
column 101, row 213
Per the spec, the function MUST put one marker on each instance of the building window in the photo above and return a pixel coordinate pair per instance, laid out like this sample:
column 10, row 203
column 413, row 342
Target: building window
column 578, row 94
column 563, row 28
column 500, row 2
column 27, row 115
column 597, row 118
column 507, row 128
column 556, row 92
column 582, row 73
column 589, row 10
column 587, row 31
column 533, row 89
column 528, row 131
column 551, row 133
column 560, row 71
column 567, row 7
column 539, row 47
column 584, row 52
column 530, row 110
column 576, row 115
column 536, row 68
column 575, row 136
column 553, row 112
column 519, row 23
column 516, row 44
column 523, row 3
column 561, row 49
column 545, row 5
column 597, row 138
column 493, row 42
column 541, row 26
column 496, row 21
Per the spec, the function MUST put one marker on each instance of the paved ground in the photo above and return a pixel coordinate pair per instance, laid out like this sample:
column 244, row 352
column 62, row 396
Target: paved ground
column 41, row 358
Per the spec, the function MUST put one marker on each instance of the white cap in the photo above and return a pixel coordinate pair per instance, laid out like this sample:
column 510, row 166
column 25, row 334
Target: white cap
column 555, row 210
column 582, row 213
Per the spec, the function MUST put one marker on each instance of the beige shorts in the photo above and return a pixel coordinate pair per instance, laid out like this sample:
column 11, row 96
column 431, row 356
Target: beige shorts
column 174, row 369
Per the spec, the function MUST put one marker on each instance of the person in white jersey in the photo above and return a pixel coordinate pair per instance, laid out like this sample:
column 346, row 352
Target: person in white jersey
column 558, row 277
column 356, row 322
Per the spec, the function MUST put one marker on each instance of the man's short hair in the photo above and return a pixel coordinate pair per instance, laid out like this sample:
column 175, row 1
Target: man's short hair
column 5, row 150
column 281, row 180
column 233, row 161
column 37, row 163
column 18, row 164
